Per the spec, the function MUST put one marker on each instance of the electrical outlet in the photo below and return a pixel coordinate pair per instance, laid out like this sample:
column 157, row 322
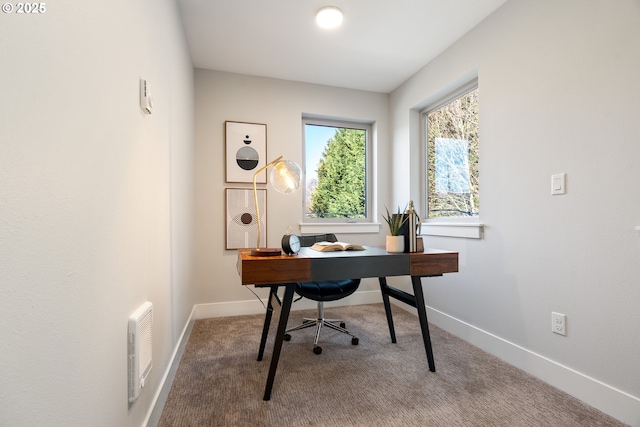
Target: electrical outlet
column 559, row 323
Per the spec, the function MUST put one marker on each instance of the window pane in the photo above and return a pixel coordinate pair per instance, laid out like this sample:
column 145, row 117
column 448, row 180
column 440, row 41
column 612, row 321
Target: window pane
column 335, row 163
column 452, row 158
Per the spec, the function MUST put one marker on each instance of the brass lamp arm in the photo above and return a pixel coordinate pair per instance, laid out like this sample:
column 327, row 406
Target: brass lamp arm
column 255, row 196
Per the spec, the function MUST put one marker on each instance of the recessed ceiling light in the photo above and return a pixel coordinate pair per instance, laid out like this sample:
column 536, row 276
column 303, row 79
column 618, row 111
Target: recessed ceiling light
column 329, row 17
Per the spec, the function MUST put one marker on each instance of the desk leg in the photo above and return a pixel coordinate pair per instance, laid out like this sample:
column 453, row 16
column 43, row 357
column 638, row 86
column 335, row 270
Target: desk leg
column 422, row 316
column 267, row 321
column 277, row 346
column 387, row 307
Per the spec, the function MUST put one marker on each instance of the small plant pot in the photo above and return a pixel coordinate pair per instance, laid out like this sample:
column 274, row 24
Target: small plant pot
column 395, row 244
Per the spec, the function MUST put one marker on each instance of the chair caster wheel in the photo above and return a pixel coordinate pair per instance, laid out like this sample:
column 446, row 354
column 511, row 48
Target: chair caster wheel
column 317, row 350
column 355, row 341
column 287, row 337
column 343, row 325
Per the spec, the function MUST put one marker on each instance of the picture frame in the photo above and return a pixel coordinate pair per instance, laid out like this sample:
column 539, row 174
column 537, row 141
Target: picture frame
column 245, row 151
column 240, row 213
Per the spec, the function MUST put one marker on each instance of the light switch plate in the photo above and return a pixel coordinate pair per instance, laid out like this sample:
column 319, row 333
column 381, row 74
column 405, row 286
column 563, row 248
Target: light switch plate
column 558, row 182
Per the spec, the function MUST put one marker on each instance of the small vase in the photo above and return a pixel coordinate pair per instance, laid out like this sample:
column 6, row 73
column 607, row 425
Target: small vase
column 395, row 244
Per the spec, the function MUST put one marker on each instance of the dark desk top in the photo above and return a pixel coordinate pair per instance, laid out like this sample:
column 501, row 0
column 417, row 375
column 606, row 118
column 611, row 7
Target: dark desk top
column 313, row 266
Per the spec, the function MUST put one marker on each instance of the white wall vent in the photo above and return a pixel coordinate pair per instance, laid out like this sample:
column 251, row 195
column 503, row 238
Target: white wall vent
column 140, row 348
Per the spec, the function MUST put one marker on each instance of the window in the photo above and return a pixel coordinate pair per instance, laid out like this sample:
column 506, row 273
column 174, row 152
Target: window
column 336, row 171
column 452, row 155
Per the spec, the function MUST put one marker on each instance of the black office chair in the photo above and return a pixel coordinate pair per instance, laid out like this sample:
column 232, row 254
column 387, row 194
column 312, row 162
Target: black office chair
column 321, row 292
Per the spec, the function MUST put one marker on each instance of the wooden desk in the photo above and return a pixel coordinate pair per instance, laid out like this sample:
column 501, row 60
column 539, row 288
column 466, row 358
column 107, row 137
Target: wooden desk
column 314, row 266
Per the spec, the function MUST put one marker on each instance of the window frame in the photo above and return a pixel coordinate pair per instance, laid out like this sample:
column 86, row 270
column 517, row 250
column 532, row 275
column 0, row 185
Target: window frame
column 367, row 127
column 459, row 226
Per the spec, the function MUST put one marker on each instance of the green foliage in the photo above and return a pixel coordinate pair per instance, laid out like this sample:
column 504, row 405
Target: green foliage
column 395, row 221
column 456, row 120
column 341, row 177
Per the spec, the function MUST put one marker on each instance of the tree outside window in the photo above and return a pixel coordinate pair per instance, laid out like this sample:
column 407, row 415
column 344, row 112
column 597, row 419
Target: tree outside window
column 453, row 158
column 336, row 167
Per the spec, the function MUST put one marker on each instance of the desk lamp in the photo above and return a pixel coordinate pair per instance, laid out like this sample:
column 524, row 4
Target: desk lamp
column 285, row 177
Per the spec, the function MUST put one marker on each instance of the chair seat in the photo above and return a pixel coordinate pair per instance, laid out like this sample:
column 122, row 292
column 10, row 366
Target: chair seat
column 323, row 291
column 327, row 291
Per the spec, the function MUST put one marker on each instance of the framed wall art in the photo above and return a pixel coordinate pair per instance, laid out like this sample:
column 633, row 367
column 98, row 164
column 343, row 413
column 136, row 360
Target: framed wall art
column 245, row 151
column 241, row 226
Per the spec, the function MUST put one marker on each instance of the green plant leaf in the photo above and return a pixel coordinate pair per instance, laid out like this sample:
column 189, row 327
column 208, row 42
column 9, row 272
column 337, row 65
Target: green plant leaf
column 395, row 221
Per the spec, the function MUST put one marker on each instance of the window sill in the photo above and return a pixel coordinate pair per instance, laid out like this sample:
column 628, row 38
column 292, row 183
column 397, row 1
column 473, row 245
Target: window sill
column 467, row 231
column 338, row 228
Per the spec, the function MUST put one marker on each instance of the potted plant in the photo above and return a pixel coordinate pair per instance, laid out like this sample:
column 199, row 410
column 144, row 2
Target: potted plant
column 395, row 241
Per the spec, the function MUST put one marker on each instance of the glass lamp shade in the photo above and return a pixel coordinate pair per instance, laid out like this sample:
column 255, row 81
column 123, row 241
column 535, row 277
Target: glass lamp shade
column 285, row 176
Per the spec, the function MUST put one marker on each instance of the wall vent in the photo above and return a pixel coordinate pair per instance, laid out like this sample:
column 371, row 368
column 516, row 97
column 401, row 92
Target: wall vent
column 140, row 348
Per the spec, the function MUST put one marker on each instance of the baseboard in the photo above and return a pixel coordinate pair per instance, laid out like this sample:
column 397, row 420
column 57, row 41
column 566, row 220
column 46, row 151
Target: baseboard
column 157, row 405
column 257, row 306
column 597, row 394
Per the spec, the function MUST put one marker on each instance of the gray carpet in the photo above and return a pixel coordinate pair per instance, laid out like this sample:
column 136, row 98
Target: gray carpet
column 376, row 383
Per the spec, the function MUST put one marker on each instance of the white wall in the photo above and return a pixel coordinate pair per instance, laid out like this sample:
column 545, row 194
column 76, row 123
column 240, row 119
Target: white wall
column 280, row 104
column 95, row 206
column 559, row 92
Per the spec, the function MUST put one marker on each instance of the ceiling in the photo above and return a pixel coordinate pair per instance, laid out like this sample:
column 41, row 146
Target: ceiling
column 380, row 44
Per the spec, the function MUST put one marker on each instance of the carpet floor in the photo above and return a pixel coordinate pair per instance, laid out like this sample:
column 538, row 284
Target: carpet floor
column 376, row 383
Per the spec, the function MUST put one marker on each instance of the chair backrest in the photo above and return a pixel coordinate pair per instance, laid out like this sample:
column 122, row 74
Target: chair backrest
column 310, row 239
